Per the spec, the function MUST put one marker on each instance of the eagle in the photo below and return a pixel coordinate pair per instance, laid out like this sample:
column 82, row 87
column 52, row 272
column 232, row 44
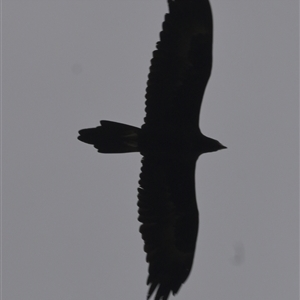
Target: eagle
column 170, row 142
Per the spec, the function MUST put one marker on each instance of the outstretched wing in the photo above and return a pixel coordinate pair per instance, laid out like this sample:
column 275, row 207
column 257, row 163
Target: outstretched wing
column 181, row 66
column 169, row 216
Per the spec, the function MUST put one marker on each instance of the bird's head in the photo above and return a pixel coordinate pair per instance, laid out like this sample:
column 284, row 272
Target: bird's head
column 210, row 145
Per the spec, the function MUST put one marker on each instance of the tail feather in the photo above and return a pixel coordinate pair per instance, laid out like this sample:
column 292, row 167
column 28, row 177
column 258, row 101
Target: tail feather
column 111, row 137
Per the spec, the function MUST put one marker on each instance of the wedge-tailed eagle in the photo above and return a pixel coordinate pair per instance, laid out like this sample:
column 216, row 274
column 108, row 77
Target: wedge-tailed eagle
column 170, row 142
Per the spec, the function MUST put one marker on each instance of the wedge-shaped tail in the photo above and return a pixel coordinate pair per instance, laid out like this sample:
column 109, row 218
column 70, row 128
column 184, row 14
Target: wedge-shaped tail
column 111, row 137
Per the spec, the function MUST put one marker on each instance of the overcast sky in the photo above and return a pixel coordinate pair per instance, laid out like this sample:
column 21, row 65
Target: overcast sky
column 70, row 229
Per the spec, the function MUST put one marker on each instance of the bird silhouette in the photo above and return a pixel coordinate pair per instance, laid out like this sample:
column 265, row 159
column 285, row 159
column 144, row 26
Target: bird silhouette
column 170, row 142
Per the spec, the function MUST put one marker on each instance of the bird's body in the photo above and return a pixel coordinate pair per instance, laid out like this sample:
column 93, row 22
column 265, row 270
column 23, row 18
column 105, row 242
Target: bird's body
column 170, row 142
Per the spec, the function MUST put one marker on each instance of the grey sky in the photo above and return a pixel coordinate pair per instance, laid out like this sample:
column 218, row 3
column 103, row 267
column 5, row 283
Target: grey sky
column 70, row 228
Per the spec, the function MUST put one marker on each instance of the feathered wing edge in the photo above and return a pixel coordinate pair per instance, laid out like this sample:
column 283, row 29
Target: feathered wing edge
column 169, row 216
column 181, row 65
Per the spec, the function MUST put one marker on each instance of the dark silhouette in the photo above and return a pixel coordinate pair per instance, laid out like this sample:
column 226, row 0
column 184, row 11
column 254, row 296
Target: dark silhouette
column 170, row 142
